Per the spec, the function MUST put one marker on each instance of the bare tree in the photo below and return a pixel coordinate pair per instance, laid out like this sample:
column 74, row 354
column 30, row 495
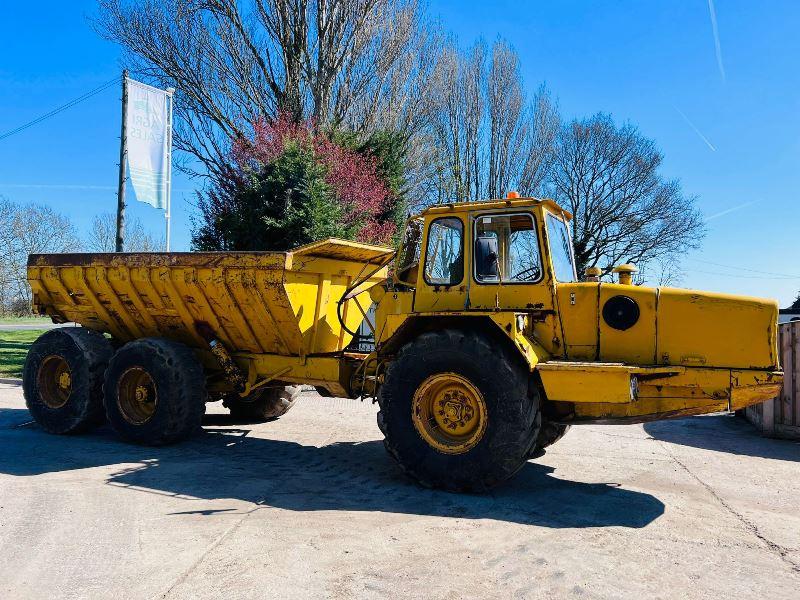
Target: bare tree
column 370, row 64
column 28, row 229
column 457, row 123
column 103, row 234
column 538, row 150
column 7, row 285
column 623, row 209
column 354, row 62
column 505, row 100
column 490, row 139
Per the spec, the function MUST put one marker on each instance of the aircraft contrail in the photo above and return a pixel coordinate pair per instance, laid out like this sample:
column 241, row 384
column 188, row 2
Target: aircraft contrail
column 696, row 130
column 713, row 13
column 730, row 210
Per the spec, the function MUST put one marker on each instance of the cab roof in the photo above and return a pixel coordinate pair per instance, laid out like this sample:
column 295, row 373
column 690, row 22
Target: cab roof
column 497, row 204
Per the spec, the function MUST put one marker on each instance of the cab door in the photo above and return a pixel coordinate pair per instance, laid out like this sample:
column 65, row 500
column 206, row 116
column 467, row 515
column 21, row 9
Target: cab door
column 441, row 284
column 513, row 276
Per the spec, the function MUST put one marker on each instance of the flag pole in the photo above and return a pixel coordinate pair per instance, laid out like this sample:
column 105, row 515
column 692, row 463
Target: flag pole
column 123, row 156
column 168, row 213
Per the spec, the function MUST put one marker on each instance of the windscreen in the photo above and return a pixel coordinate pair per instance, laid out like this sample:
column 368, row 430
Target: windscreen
column 560, row 250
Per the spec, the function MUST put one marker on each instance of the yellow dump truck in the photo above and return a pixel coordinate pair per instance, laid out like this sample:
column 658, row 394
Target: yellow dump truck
column 487, row 347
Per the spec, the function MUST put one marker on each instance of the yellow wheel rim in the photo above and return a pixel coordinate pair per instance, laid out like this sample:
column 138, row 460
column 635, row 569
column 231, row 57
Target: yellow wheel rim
column 55, row 381
column 449, row 413
column 137, row 397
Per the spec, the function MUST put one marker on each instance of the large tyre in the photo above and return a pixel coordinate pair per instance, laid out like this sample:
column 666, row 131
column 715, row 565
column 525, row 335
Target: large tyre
column 549, row 434
column 63, row 379
column 262, row 405
column 457, row 411
column 155, row 392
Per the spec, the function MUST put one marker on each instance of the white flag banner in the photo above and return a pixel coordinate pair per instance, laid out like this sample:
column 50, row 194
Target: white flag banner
column 147, row 121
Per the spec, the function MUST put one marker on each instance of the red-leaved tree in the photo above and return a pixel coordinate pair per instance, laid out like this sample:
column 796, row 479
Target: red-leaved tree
column 362, row 197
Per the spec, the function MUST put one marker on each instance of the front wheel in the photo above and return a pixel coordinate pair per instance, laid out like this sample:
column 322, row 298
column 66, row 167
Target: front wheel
column 458, row 412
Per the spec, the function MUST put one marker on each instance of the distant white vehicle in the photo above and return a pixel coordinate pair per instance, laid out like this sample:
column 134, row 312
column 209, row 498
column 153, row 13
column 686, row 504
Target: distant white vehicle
column 788, row 314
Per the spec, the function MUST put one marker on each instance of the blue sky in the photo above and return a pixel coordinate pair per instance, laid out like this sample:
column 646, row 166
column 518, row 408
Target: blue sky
column 728, row 123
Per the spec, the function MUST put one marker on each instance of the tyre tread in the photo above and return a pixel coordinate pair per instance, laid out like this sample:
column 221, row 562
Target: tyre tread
column 270, row 404
column 95, row 352
column 188, row 395
column 518, row 401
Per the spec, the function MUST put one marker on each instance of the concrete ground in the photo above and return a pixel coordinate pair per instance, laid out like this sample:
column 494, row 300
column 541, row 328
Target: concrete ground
column 311, row 506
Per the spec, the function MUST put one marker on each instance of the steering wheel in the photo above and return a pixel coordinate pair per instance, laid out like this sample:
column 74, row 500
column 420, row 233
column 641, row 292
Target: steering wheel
column 528, row 274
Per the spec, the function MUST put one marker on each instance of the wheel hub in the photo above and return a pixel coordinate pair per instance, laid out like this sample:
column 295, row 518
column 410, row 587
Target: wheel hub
column 449, row 413
column 141, row 394
column 65, row 381
column 455, row 410
column 137, row 397
column 55, row 381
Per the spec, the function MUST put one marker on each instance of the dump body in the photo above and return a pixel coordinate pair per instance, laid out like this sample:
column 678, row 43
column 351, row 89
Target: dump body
column 258, row 304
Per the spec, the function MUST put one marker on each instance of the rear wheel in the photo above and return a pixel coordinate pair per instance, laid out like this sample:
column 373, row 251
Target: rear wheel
column 549, row 434
column 262, row 405
column 63, row 379
column 155, row 392
column 458, row 412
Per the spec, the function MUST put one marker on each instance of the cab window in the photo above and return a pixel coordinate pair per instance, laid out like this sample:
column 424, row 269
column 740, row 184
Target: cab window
column 444, row 254
column 557, row 231
column 507, row 249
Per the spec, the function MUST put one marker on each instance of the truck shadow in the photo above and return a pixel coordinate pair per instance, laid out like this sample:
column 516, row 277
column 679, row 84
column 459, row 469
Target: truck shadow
column 226, row 463
column 723, row 433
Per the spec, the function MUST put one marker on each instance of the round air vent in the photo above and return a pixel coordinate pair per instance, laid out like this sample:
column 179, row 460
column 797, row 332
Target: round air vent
column 621, row 312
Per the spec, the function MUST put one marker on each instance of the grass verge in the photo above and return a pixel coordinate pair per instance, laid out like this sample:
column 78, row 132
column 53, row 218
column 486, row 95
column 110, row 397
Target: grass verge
column 13, row 349
column 24, row 321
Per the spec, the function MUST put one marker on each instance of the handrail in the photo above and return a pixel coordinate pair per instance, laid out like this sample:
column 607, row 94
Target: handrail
column 350, row 292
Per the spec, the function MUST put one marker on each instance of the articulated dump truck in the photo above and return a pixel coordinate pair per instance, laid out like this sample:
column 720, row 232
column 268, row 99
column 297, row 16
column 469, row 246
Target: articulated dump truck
column 487, row 347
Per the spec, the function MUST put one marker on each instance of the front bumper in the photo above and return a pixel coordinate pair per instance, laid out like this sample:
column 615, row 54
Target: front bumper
column 614, row 393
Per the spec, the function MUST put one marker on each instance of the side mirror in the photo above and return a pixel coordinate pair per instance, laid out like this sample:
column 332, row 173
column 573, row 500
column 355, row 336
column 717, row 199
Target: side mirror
column 486, row 257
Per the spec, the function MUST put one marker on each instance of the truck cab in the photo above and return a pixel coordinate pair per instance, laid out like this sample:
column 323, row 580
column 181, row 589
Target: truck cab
column 484, row 258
